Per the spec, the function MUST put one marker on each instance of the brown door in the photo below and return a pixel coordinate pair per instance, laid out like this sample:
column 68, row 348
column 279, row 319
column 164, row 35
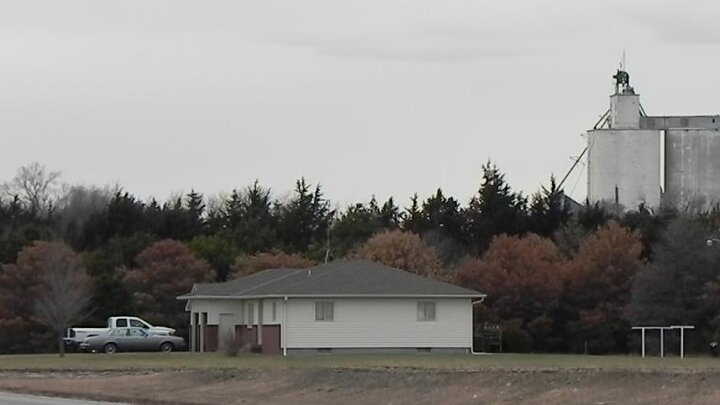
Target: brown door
column 271, row 339
column 247, row 337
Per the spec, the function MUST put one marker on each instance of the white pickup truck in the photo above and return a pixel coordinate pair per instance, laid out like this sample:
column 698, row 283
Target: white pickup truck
column 75, row 336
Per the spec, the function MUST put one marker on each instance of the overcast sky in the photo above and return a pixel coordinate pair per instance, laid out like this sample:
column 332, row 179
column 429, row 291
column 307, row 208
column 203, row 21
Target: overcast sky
column 365, row 97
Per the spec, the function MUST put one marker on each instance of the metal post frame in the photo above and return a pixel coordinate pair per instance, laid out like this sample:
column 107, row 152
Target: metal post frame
column 682, row 329
column 662, row 329
column 643, row 341
column 662, row 343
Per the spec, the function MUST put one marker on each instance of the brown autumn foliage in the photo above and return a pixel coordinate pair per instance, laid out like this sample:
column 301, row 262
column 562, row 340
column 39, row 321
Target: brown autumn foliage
column 402, row 250
column 247, row 265
column 599, row 287
column 19, row 287
column 40, row 295
column 166, row 269
column 523, row 280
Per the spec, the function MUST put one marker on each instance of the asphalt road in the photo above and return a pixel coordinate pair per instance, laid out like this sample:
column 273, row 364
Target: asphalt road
column 17, row 399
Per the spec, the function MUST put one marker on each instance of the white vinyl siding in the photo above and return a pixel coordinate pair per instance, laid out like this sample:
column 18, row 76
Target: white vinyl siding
column 379, row 323
column 250, row 314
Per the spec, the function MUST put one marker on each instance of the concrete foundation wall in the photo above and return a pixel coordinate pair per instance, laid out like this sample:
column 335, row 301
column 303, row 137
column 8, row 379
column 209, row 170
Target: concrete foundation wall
column 628, row 160
column 692, row 168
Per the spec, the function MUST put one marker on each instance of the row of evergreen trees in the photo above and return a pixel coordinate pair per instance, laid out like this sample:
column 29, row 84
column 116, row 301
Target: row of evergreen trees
column 253, row 220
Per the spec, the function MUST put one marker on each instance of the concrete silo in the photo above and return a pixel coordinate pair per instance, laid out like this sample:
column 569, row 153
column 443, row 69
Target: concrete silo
column 634, row 158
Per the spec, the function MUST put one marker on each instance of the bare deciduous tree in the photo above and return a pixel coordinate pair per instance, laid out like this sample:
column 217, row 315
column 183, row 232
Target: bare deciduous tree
column 64, row 291
column 75, row 206
column 35, row 186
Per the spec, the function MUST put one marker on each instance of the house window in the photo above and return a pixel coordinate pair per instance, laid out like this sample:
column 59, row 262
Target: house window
column 324, row 311
column 426, row 311
column 274, row 311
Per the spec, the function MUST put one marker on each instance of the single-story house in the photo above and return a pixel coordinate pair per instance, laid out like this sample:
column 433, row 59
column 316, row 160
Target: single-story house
column 342, row 306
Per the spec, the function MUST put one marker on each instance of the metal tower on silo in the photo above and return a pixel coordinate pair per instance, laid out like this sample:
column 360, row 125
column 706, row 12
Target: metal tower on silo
column 623, row 158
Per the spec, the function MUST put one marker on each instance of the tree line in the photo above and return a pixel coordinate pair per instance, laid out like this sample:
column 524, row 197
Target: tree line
column 557, row 280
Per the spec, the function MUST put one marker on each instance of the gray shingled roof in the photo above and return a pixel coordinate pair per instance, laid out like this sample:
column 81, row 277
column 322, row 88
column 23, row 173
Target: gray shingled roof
column 339, row 278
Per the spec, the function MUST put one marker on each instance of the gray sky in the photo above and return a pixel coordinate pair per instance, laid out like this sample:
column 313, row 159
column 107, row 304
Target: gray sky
column 366, row 97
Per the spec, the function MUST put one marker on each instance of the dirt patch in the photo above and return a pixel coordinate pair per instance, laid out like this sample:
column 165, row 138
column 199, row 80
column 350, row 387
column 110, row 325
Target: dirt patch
column 376, row 386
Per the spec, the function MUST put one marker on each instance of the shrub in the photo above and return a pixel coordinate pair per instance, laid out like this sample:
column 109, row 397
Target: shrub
column 516, row 340
column 231, row 347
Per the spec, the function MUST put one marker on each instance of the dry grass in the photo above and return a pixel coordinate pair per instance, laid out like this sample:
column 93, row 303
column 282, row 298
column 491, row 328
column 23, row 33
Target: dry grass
column 362, row 386
column 189, row 361
column 193, row 379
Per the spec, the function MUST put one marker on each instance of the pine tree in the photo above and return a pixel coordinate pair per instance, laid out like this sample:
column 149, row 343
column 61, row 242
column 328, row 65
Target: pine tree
column 256, row 231
column 548, row 211
column 354, row 226
column 495, row 209
column 442, row 215
column 412, row 220
column 233, row 211
column 195, row 204
column 390, row 214
column 304, row 219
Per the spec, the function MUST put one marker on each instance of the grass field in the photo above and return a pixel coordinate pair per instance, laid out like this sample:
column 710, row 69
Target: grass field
column 175, row 361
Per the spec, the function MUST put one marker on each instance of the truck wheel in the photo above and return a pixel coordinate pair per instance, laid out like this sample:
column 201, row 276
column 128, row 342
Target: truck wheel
column 110, row 348
column 166, row 347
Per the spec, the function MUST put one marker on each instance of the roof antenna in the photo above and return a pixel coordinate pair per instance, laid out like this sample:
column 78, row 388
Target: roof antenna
column 622, row 78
